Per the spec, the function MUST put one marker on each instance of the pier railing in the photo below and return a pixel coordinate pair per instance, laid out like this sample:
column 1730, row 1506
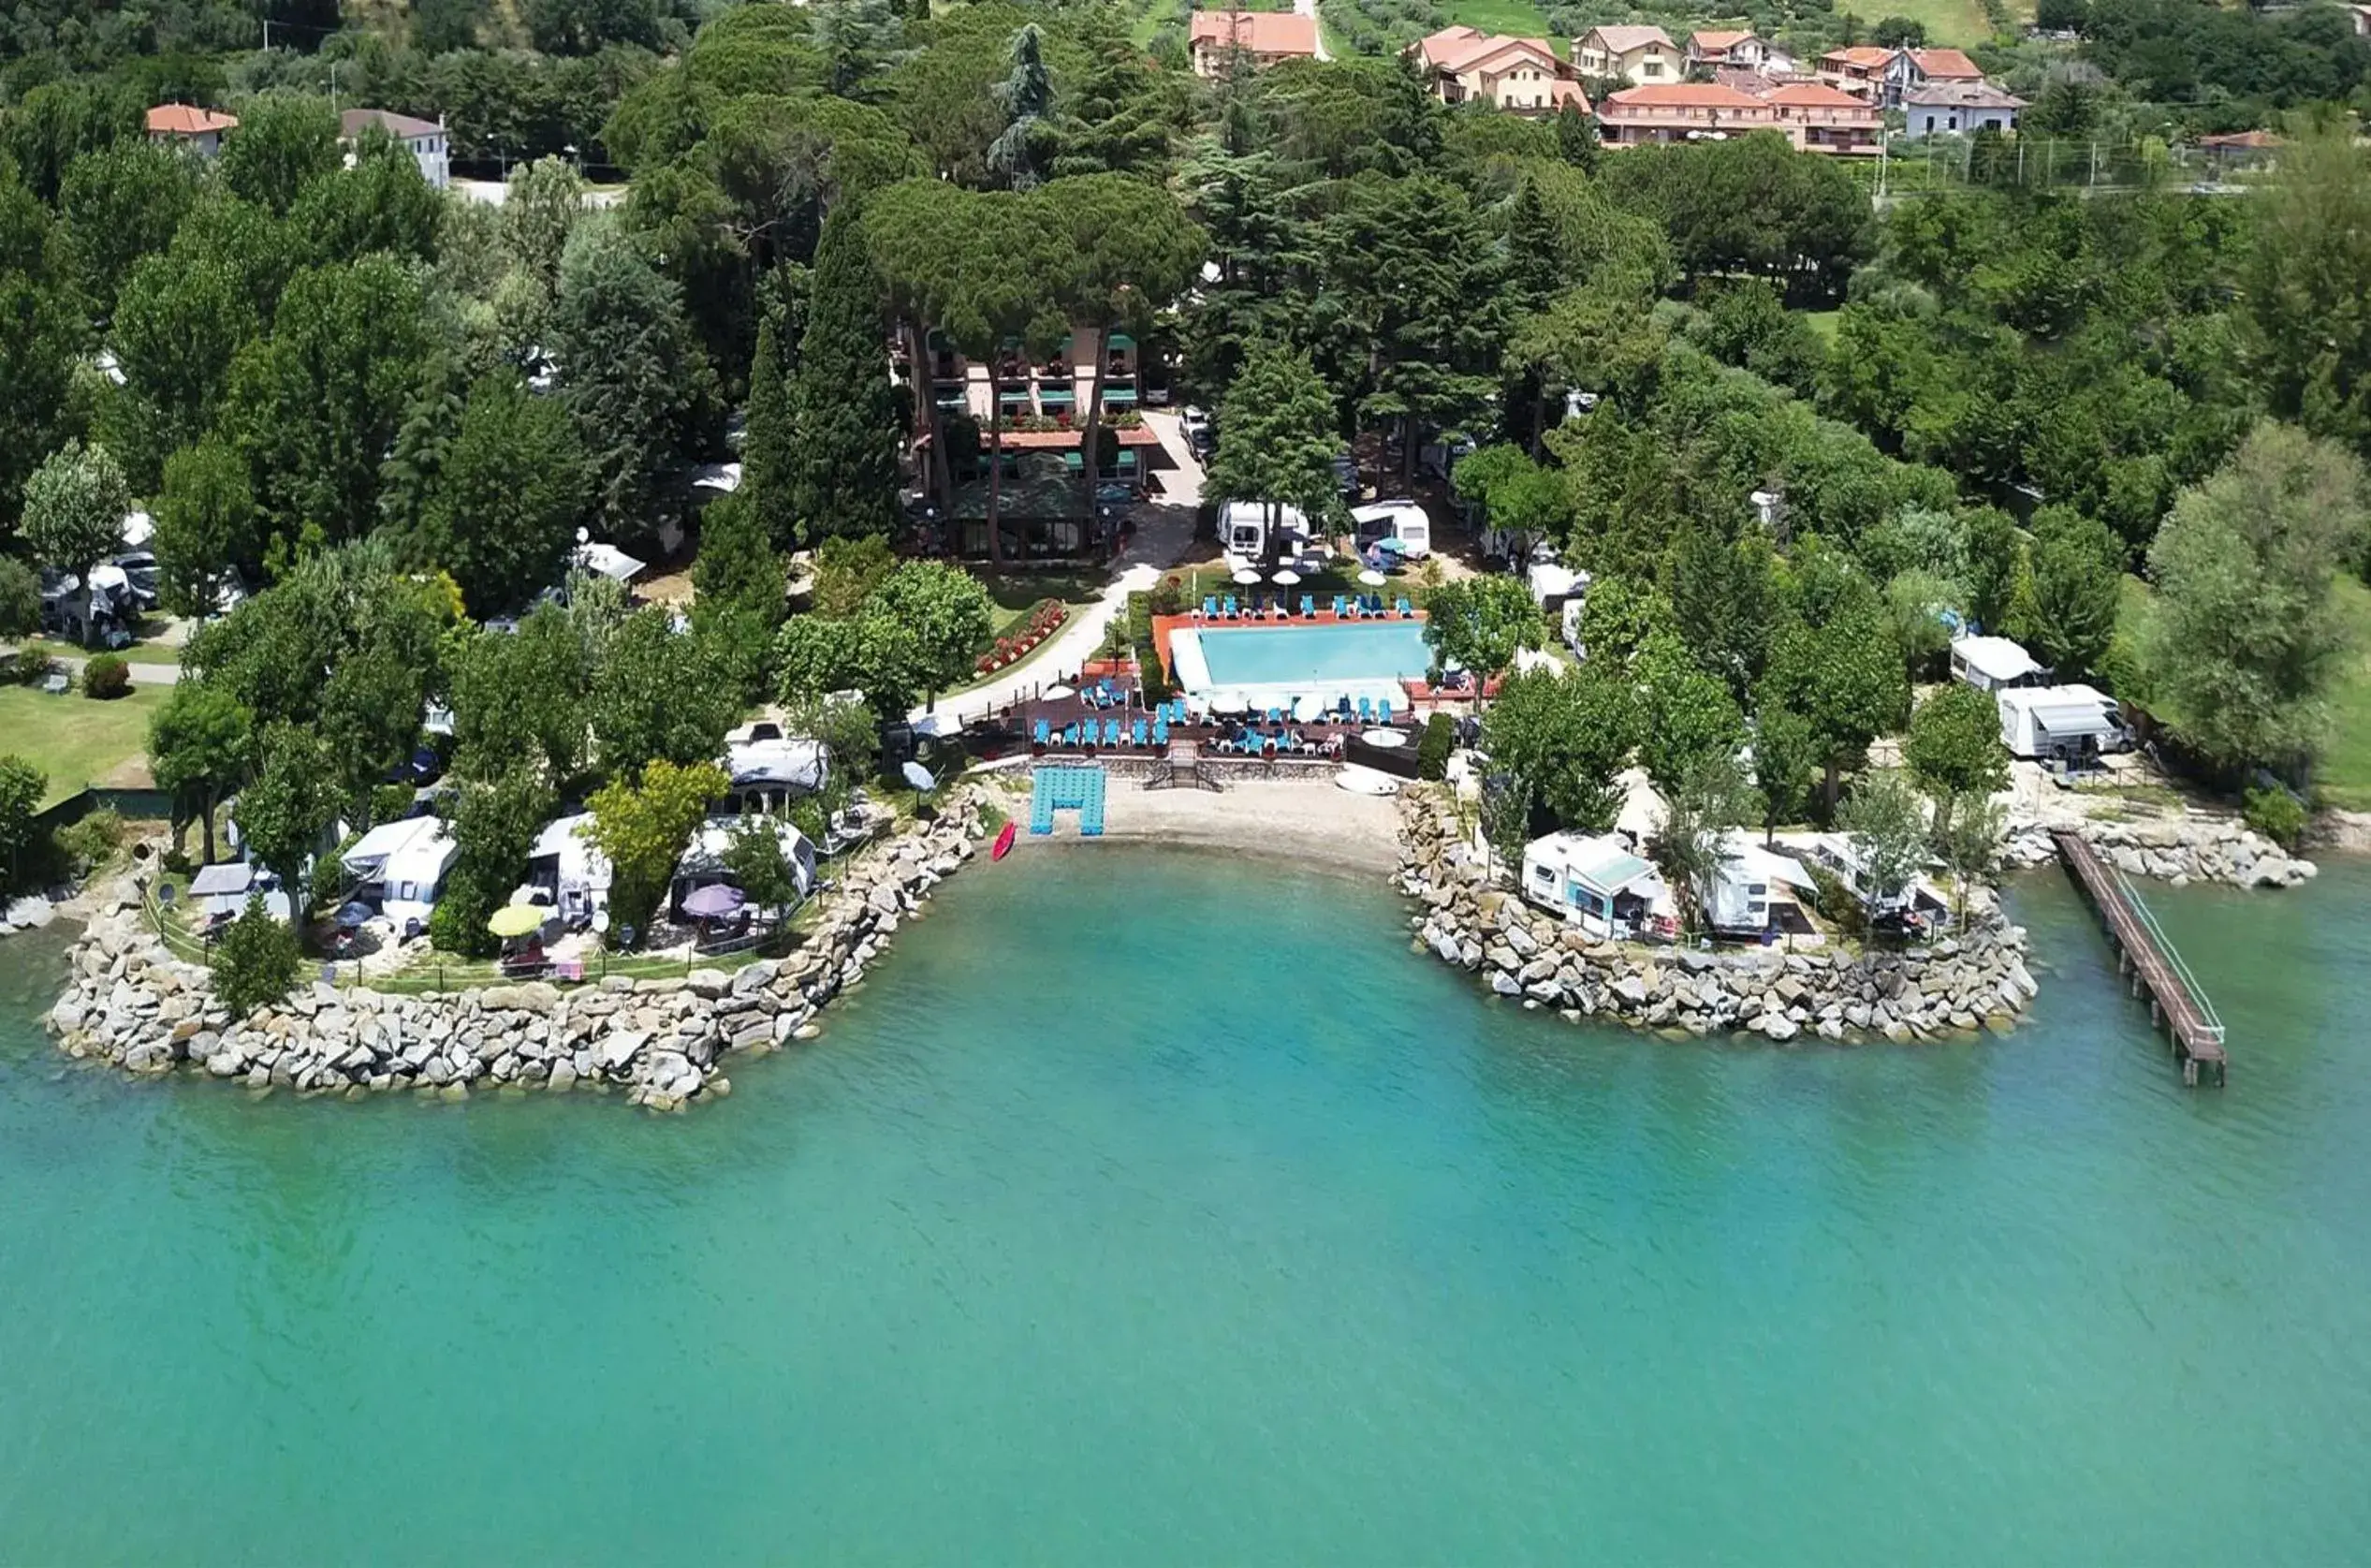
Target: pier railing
column 2171, row 954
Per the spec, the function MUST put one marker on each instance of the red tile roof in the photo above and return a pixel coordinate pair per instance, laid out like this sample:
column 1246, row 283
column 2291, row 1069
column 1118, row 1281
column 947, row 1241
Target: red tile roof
column 403, row 127
column 1259, row 32
column 1860, row 55
column 1458, row 48
column 1621, row 41
column 1718, row 42
column 1813, row 95
column 183, row 120
column 1682, row 95
column 1948, row 64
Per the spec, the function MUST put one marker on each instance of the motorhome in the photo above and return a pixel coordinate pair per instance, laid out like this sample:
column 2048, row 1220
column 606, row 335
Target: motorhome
column 2061, row 721
column 1245, row 527
column 565, row 868
column 402, row 866
column 1403, row 521
column 1745, row 882
column 1596, row 882
column 703, row 861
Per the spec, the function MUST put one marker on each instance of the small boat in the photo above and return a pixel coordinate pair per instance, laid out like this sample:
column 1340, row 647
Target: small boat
column 1366, row 780
column 1004, row 841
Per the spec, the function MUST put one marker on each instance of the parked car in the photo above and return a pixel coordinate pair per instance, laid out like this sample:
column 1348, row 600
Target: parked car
column 1201, row 437
column 140, row 570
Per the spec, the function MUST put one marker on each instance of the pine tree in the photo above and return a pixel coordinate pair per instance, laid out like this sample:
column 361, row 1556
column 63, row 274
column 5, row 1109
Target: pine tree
column 843, row 471
column 767, row 461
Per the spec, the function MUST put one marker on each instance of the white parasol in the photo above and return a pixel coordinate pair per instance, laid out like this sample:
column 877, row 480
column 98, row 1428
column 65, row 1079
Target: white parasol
column 1286, row 577
column 1372, row 578
column 1246, row 578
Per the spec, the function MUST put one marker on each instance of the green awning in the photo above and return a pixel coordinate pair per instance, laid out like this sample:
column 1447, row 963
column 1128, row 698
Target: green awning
column 1057, row 397
column 1122, row 340
column 1119, row 397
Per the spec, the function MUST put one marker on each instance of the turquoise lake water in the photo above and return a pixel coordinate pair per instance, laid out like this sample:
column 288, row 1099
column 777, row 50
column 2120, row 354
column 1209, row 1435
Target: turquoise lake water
column 1307, row 656
column 1160, row 1211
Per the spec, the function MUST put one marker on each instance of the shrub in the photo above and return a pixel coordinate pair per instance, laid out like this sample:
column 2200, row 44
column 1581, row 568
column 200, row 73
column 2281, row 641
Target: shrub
column 390, row 801
column 257, row 960
column 1841, row 905
column 30, row 668
column 106, row 677
column 2276, row 813
column 1168, row 596
column 1434, row 746
column 91, row 840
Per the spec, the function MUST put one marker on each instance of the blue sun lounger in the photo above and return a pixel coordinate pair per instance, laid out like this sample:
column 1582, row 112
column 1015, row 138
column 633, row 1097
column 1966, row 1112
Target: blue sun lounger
column 1228, row 612
column 1161, row 730
column 1365, row 711
column 1406, row 609
column 1309, row 608
column 1040, row 734
column 1137, row 732
column 1382, row 711
column 1210, row 610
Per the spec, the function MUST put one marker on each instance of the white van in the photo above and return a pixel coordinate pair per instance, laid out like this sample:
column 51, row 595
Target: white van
column 1243, row 526
column 1403, row 520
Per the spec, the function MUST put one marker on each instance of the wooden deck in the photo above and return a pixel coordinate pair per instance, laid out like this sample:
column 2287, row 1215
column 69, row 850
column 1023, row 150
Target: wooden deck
column 2150, row 962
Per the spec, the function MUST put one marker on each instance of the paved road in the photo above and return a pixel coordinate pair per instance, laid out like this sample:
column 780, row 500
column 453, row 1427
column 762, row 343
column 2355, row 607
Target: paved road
column 1164, row 534
column 142, row 675
column 1308, row 9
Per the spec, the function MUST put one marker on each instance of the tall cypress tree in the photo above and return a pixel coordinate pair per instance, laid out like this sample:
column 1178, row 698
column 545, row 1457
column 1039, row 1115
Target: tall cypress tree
column 843, row 471
column 766, row 447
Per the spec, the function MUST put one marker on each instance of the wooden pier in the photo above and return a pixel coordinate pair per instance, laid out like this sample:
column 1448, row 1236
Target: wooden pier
column 2147, row 959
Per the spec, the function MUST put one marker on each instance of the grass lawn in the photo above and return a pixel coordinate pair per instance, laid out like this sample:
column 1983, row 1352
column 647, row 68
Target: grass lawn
column 1519, row 17
column 76, row 741
column 1013, row 593
column 1823, row 323
column 1952, row 23
column 2345, row 774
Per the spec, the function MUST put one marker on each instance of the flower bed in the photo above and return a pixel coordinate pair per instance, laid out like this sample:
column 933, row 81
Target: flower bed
column 1045, row 618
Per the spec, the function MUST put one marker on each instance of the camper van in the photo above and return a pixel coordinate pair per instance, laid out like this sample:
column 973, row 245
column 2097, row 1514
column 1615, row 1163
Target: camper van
column 1243, row 527
column 403, row 865
column 1401, row 520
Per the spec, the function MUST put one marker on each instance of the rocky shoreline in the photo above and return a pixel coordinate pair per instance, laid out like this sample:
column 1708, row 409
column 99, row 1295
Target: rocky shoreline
column 1523, row 954
column 2180, row 850
column 665, row 1042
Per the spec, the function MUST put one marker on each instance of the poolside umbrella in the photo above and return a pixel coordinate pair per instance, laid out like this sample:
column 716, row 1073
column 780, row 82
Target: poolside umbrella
column 1230, row 702
column 353, row 912
column 516, row 919
column 1308, row 710
column 1247, row 576
column 1286, row 577
column 716, row 898
column 1371, row 577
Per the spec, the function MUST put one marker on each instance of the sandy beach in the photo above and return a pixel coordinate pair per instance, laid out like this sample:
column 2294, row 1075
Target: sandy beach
column 1314, row 824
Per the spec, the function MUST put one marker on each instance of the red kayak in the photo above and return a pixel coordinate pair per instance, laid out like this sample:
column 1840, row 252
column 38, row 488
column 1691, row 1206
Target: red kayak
column 1003, row 843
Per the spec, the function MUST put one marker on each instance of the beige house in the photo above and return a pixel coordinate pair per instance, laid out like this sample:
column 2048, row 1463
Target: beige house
column 1262, row 37
column 1522, row 76
column 1812, row 118
column 1642, row 56
column 1860, row 71
column 1740, row 50
column 1680, row 112
column 1821, row 119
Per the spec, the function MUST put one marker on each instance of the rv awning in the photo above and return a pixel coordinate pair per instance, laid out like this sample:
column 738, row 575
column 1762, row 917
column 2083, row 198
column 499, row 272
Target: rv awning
column 371, row 851
column 235, row 876
column 557, row 836
column 2073, row 720
column 609, row 561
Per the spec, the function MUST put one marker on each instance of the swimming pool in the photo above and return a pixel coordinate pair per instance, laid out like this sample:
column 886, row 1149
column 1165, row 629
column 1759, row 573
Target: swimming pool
column 1318, row 660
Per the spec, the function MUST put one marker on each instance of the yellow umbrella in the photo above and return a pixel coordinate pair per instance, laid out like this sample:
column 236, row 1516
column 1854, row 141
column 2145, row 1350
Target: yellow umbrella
column 516, row 919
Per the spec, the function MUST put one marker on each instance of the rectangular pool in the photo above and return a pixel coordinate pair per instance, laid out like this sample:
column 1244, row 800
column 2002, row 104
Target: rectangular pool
column 1317, row 659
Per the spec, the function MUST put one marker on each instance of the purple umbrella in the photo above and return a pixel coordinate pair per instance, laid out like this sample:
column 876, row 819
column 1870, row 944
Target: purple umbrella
column 706, row 903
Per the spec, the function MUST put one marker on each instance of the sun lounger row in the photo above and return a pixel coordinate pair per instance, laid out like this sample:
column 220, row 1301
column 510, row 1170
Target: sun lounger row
column 1138, row 733
column 1346, row 607
column 1278, row 741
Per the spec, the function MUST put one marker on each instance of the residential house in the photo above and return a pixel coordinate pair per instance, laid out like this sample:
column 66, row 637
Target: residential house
column 1680, row 112
column 1860, row 71
column 1925, row 68
column 1214, row 38
column 425, row 140
column 1992, row 664
column 1957, row 108
column 1642, row 56
column 198, row 130
column 1519, row 75
column 1818, row 118
column 1596, row 882
column 1741, row 50
column 2360, row 17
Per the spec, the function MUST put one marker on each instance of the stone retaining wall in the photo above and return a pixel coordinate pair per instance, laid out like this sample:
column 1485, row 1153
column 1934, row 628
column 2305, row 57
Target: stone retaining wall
column 1527, row 955
column 2180, row 850
column 132, row 1004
